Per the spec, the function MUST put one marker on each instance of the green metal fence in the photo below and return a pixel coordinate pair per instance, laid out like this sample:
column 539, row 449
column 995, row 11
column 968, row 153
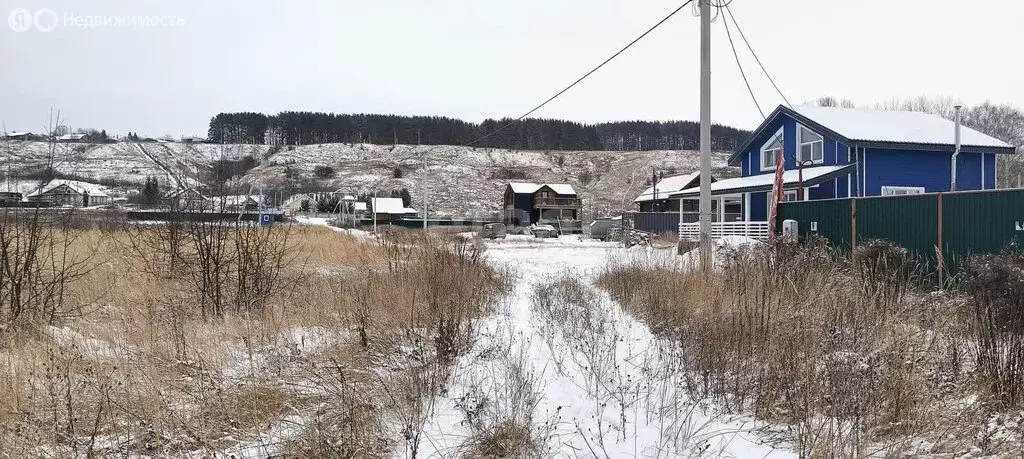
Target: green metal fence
column 947, row 225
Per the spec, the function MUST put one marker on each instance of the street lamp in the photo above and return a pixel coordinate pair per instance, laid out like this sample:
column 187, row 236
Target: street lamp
column 800, row 179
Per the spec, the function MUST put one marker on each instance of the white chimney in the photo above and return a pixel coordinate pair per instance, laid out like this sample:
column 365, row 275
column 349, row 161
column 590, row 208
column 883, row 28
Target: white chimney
column 956, row 149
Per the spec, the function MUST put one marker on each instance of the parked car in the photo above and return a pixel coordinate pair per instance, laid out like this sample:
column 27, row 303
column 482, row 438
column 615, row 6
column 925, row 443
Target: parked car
column 493, row 231
column 544, row 231
column 602, row 227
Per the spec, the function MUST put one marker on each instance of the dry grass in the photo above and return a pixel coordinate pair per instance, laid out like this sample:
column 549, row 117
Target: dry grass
column 134, row 368
column 849, row 356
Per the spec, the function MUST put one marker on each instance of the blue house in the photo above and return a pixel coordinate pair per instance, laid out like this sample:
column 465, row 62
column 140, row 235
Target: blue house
column 842, row 152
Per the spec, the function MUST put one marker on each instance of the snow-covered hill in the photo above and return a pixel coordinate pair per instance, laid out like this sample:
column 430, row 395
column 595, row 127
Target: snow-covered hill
column 461, row 181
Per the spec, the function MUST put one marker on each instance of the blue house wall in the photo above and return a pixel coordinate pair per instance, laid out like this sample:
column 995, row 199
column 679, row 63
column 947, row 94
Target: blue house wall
column 875, row 167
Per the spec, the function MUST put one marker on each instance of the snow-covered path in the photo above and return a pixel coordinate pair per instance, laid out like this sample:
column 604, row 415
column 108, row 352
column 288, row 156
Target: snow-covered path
column 610, row 390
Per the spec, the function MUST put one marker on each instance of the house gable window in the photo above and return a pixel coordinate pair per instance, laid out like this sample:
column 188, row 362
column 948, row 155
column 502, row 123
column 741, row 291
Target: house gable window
column 810, row 146
column 770, row 151
column 901, row 190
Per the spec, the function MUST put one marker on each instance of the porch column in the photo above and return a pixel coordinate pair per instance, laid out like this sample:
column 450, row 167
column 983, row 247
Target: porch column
column 746, row 207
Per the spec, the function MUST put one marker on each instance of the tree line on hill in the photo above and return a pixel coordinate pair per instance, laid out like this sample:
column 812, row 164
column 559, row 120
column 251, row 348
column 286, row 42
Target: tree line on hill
column 304, row 128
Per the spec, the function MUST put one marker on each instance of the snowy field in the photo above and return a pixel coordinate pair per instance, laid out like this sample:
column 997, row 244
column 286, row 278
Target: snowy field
column 609, row 392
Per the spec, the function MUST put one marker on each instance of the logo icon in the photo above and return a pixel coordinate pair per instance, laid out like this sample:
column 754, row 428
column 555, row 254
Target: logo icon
column 1020, row 226
column 20, row 20
column 45, row 19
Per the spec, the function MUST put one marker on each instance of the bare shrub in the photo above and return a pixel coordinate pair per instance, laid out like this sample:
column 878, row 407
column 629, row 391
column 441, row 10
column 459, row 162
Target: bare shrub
column 843, row 354
column 38, row 265
column 996, row 286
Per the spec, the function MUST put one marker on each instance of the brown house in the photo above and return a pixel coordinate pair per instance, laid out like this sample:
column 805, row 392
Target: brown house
column 72, row 193
column 529, row 203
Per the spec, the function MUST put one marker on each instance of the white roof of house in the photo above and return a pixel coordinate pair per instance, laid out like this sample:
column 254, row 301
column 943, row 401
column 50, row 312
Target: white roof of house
column 80, row 187
column 791, row 177
column 894, row 126
column 667, row 186
column 561, row 188
column 525, row 188
column 388, row 206
column 14, row 134
column 239, row 199
column 71, row 137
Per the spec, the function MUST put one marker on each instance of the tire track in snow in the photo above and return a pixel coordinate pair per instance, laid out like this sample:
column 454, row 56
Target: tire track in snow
column 613, row 394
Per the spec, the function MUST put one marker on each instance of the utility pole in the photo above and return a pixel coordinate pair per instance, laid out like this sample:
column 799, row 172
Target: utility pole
column 705, row 133
column 424, row 184
column 654, row 185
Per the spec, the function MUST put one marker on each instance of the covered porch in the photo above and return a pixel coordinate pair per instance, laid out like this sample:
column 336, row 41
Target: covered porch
column 741, row 206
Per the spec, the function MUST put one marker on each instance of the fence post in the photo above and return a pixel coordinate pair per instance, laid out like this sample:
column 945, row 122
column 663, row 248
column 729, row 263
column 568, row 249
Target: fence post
column 938, row 249
column 853, row 226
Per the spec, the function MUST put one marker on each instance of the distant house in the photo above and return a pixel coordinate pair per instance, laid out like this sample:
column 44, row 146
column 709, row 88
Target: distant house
column 389, row 209
column 71, row 138
column 656, row 198
column 238, row 203
column 193, row 140
column 72, row 193
column 528, row 203
column 189, row 199
column 15, row 135
column 301, row 202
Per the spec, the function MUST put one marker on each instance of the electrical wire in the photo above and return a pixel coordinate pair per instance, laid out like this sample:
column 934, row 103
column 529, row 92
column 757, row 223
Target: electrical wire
column 751, row 48
column 736, row 55
column 591, row 72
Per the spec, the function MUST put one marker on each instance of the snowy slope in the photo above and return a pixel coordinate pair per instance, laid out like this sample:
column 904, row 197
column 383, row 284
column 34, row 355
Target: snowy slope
column 462, row 181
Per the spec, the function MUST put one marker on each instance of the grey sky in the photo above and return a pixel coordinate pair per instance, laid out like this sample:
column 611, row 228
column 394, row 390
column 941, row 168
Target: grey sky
column 474, row 59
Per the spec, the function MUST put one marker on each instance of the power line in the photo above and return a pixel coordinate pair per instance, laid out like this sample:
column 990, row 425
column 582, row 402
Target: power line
column 751, row 48
column 740, row 65
column 595, row 69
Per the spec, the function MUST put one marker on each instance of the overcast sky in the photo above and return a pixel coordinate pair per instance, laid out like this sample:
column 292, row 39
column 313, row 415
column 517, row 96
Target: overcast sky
column 475, row 59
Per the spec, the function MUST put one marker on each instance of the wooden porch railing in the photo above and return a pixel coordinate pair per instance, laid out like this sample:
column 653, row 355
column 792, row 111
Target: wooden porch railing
column 753, row 230
column 562, row 202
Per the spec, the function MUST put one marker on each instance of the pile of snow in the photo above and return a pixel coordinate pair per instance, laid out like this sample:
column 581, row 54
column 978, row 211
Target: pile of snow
column 721, row 251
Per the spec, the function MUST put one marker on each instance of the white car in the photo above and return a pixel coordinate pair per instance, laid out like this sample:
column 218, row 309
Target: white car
column 544, row 231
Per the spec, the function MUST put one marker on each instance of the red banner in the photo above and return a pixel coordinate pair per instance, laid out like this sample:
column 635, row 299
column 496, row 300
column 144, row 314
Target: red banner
column 777, row 194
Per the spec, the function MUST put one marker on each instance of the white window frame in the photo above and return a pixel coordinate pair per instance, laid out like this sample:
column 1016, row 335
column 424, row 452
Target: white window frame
column 800, row 145
column 764, row 149
column 902, row 190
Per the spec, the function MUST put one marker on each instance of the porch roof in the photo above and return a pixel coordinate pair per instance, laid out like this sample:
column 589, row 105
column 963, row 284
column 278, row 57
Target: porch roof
column 764, row 182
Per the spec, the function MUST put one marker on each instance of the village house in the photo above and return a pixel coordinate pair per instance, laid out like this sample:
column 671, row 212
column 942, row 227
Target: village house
column 298, row 203
column 15, row 135
column 529, row 203
column 73, row 193
column 189, row 199
column 659, row 212
column 830, row 152
column 387, row 210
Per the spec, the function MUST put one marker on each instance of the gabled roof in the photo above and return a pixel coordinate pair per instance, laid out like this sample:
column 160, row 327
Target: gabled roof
column 77, row 186
column 530, row 188
column 667, row 186
column 764, row 182
column 561, row 188
column 881, row 128
column 524, row 187
column 391, row 206
column 191, row 191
